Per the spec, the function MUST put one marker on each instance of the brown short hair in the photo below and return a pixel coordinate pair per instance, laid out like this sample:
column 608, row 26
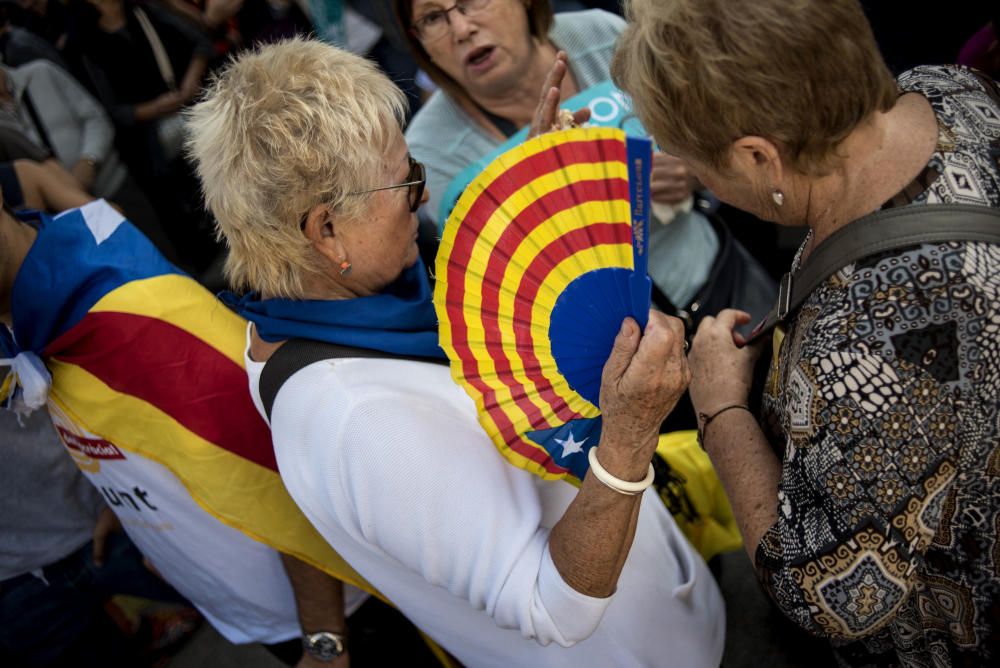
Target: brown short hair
column 703, row 73
column 539, row 23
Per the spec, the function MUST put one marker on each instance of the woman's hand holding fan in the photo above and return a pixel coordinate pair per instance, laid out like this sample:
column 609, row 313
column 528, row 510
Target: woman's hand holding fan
column 642, row 381
column 543, row 258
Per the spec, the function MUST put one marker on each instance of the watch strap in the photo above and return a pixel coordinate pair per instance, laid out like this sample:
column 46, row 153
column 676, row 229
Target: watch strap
column 324, row 645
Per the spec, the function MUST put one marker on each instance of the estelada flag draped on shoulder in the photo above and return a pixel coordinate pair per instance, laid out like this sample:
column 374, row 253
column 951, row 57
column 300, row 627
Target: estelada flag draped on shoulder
column 144, row 357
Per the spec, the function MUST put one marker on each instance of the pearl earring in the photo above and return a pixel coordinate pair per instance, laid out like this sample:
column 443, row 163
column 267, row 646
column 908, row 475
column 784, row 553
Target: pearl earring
column 345, row 268
column 778, row 197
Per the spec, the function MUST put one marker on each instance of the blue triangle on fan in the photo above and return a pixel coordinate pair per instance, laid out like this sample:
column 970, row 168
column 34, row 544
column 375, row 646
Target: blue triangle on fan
column 568, row 444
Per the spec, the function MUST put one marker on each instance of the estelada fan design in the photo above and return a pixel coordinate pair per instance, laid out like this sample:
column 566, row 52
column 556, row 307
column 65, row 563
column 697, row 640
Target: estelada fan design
column 540, row 261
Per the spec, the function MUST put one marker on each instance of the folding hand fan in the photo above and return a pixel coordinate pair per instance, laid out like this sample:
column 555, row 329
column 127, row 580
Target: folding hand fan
column 542, row 258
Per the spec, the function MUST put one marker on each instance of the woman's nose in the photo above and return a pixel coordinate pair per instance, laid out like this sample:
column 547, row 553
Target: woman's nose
column 461, row 26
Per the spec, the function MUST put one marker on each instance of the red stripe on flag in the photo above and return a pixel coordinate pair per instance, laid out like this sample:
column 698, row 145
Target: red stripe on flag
column 175, row 371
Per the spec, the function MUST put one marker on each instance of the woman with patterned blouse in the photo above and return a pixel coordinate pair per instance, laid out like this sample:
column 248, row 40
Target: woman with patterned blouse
column 870, row 499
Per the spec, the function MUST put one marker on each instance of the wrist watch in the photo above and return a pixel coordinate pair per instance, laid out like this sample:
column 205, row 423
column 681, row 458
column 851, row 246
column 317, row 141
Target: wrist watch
column 324, row 645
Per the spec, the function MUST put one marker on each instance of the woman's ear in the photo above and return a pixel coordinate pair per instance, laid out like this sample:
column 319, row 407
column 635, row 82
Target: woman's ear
column 758, row 160
column 320, row 229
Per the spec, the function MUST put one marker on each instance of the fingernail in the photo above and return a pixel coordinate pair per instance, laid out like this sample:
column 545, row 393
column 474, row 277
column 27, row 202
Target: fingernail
column 625, row 330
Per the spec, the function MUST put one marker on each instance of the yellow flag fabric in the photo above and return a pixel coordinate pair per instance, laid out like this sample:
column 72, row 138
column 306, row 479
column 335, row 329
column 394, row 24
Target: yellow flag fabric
column 713, row 529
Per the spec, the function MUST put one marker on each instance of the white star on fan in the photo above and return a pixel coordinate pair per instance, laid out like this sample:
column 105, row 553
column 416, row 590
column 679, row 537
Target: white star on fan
column 570, row 445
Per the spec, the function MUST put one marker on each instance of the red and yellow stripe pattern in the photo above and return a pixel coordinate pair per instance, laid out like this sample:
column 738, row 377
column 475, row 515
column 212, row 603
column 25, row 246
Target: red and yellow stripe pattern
column 539, row 217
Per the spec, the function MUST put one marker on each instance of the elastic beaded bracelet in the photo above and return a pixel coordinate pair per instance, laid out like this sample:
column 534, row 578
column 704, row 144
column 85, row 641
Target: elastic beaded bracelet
column 705, row 420
column 621, row 486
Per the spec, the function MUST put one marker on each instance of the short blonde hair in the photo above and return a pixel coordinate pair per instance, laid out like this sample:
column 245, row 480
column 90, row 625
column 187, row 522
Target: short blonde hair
column 703, row 73
column 280, row 130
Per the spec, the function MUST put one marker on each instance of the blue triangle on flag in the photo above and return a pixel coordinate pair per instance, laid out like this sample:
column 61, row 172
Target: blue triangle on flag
column 568, row 444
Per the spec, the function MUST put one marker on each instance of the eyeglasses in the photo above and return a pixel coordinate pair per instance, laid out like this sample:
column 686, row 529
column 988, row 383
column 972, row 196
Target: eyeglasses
column 434, row 25
column 416, row 179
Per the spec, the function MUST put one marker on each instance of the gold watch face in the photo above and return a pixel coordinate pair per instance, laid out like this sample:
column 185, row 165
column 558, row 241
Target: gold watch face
column 324, row 645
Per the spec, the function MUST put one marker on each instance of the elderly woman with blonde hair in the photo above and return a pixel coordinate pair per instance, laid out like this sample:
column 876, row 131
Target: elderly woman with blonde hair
column 303, row 163
column 869, row 500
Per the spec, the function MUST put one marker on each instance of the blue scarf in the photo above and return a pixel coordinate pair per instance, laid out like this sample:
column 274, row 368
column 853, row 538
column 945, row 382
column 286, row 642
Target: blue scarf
column 399, row 320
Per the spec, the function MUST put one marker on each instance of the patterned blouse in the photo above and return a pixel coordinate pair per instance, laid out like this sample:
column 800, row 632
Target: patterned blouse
column 884, row 401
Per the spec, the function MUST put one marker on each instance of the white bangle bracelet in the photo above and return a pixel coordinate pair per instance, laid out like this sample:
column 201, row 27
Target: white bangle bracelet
column 621, row 486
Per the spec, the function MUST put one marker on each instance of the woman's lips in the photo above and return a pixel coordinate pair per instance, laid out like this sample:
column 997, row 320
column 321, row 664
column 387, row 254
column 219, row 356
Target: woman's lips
column 480, row 58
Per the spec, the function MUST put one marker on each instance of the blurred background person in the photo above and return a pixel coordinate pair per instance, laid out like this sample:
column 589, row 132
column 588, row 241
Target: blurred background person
column 19, row 46
column 48, row 106
column 146, row 64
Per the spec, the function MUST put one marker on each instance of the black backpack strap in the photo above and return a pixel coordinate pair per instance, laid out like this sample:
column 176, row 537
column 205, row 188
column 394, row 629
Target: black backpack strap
column 297, row 354
column 876, row 233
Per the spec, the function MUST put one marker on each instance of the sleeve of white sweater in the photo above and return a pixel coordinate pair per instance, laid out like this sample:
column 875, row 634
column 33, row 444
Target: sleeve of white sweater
column 405, row 475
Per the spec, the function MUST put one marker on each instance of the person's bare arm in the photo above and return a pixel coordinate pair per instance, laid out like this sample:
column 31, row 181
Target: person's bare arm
column 319, row 599
column 46, row 189
column 642, row 381
column 159, row 106
column 57, row 173
column 749, row 470
column 171, row 101
column 190, row 85
column 217, row 12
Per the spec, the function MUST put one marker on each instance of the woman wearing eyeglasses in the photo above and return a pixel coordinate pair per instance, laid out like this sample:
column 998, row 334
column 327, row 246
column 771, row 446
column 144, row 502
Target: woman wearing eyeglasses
column 304, row 165
column 490, row 59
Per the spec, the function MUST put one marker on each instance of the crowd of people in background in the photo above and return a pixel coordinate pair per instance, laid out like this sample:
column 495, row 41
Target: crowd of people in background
column 219, row 130
column 108, row 81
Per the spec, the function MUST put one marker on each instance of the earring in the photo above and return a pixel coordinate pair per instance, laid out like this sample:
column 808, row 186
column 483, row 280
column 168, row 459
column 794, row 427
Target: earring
column 345, row 268
column 778, row 197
